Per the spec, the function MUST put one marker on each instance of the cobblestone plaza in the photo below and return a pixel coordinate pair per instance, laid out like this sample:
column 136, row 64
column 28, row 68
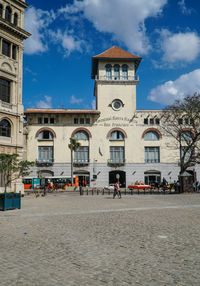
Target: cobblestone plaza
column 67, row 239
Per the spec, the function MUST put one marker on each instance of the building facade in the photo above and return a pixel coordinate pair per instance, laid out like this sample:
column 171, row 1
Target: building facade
column 115, row 138
column 12, row 34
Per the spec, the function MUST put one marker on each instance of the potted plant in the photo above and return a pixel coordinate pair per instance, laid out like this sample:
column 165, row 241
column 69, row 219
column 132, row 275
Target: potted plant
column 11, row 169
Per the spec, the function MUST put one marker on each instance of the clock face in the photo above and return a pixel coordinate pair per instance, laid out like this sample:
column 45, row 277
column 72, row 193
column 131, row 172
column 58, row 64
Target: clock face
column 117, row 104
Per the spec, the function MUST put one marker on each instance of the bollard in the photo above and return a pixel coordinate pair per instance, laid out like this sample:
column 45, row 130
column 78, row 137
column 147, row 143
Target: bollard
column 92, row 192
column 97, row 192
column 131, row 192
column 103, row 192
column 87, row 192
column 80, row 189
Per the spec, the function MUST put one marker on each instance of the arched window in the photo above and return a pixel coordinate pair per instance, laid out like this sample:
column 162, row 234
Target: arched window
column 1, row 10
column 108, row 72
column 116, row 135
column 5, row 128
column 186, row 135
column 15, row 21
column 124, row 72
column 116, row 72
column 81, row 135
column 45, row 135
column 8, row 14
column 151, row 136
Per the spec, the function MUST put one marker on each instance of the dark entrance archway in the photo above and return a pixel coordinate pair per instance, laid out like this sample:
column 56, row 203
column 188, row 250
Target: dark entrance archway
column 152, row 177
column 122, row 177
column 83, row 178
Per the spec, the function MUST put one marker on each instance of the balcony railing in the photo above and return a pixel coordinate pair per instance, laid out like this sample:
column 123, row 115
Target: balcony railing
column 45, row 163
column 79, row 162
column 116, row 162
column 152, row 161
column 118, row 78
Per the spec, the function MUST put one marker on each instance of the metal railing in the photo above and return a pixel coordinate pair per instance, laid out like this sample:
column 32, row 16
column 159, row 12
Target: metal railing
column 116, row 161
column 116, row 78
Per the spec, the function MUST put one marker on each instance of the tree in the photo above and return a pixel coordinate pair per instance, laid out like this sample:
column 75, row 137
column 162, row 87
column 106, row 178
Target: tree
column 73, row 146
column 181, row 120
column 11, row 168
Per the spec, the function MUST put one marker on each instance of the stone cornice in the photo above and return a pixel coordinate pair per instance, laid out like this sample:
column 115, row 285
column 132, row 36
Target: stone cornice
column 21, row 3
column 17, row 31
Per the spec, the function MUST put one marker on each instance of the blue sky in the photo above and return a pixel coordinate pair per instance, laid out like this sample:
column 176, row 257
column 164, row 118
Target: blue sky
column 67, row 33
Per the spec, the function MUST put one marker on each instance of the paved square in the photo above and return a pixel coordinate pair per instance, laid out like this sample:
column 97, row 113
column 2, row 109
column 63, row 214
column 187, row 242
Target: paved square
column 65, row 239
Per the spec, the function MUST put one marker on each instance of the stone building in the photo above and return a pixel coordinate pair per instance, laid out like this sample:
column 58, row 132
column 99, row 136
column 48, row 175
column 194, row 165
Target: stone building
column 115, row 138
column 12, row 34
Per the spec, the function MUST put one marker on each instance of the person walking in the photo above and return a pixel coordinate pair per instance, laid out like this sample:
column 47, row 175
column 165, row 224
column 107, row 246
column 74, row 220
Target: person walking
column 117, row 191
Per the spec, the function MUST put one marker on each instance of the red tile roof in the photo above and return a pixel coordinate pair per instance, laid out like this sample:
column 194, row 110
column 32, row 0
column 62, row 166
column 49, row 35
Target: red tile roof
column 116, row 53
column 61, row 111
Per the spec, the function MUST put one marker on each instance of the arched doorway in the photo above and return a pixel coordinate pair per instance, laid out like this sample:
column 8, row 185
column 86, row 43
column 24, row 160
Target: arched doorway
column 83, row 178
column 113, row 178
column 152, row 176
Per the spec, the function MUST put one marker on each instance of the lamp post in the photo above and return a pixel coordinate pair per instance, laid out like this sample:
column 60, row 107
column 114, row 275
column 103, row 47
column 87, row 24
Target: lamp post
column 117, row 177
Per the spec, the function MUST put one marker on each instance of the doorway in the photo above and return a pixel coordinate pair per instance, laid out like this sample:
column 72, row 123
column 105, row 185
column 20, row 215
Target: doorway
column 113, row 178
column 152, row 177
column 83, row 178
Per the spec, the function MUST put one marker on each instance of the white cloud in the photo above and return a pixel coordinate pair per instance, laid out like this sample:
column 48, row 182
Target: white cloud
column 183, row 47
column 68, row 41
column 75, row 100
column 185, row 85
column 184, row 9
column 47, row 103
column 125, row 20
column 36, row 23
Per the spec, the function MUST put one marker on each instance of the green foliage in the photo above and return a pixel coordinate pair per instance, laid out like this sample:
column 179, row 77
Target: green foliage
column 181, row 121
column 11, row 168
column 74, row 144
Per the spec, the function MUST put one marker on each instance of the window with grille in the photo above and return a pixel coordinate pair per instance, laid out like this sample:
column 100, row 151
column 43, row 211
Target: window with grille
column 81, row 154
column 116, row 72
column 108, row 72
column 45, row 154
column 124, row 72
column 4, row 90
column 117, row 154
column 152, row 155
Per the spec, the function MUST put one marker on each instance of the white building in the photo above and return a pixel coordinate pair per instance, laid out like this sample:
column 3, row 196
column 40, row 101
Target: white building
column 12, row 34
column 115, row 138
